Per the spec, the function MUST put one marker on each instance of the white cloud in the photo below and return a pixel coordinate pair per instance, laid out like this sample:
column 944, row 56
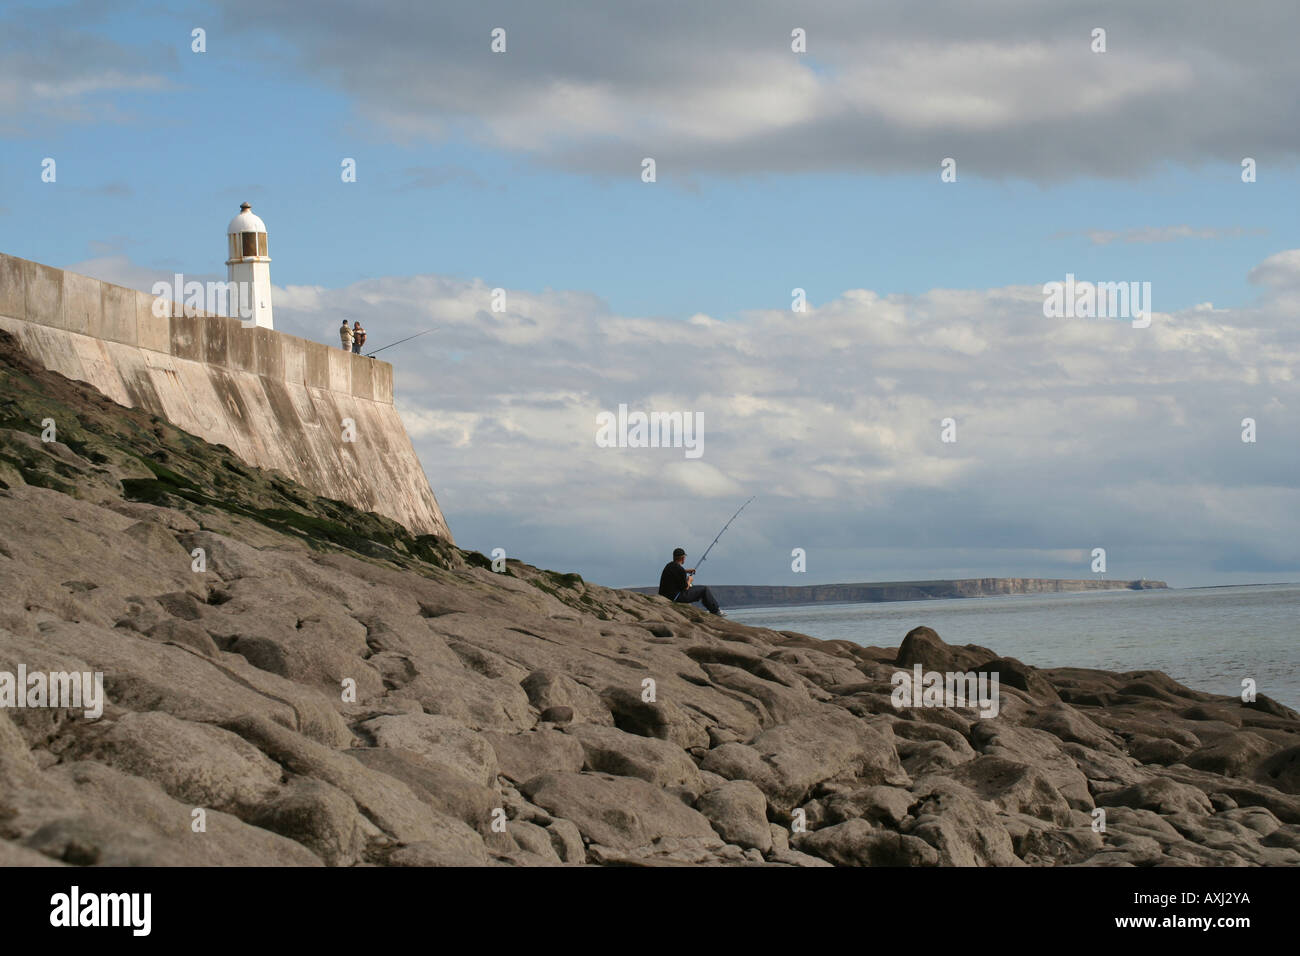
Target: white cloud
column 1149, row 234
column 1279, row 271
column 833, row 418
column 1010, row 89
column 59, row 65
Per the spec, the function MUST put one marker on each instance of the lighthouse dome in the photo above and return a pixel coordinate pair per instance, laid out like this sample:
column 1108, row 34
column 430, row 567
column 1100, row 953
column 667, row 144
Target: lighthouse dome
column 246, row 237
column 245, row 222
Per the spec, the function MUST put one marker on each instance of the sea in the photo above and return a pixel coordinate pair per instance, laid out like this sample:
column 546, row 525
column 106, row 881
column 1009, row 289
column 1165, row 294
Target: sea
column 1206, row 638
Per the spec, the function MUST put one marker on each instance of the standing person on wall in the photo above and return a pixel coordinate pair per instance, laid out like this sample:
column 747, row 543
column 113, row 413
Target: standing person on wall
column 345, row 336
column 358, row 338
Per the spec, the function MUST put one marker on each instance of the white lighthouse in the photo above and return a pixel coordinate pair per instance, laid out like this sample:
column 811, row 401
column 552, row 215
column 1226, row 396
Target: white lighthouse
column 249, row 265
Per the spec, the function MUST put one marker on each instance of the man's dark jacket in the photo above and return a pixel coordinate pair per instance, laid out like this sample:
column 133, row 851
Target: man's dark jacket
column 673, row 581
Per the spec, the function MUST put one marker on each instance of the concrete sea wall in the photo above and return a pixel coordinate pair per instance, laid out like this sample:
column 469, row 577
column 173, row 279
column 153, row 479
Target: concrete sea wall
column 275, row 400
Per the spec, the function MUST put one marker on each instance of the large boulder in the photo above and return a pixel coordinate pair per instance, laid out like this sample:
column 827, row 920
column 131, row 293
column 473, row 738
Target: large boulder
column 386, row 801
column 227, row 558
column 778, row 704
column 787, row 761
column 923, row 646
column 738, row 811
column 1040, row 843
column 662, row 719
column 889, row 806
column 1232, row 756
column 858, row 843
column 197, row 764
column 142, row 825
column 1043, row 750
column 523, row 756
column 618, row 812
column 610, row 750
column 473, row 699
column 442, row 788
column 1014, row 673
column 1281, row 770
column 1161, row 795
column 962, row 827
column 321, row 817
column 148, row 676
column 1069, row 725
column 441, row 740
column 1014, row 787
column 548, row 688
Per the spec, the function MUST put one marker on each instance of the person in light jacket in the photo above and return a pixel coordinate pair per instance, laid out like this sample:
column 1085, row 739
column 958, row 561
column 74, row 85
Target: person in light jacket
column 345, row 336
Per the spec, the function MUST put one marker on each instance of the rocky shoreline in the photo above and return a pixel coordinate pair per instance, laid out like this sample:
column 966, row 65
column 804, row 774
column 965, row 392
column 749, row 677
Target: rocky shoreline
column 331, row 690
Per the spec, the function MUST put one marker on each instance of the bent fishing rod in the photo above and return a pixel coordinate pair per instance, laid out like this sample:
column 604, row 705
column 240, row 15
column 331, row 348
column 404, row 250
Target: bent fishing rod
column 400, row 341
column 720, row 533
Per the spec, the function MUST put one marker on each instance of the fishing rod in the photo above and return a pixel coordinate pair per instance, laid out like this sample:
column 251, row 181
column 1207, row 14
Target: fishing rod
column 720, row 533
column 400, row 341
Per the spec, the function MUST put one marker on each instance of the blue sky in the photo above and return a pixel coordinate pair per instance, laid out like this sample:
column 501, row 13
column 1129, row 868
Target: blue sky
column 522, row 170
column 235, row 123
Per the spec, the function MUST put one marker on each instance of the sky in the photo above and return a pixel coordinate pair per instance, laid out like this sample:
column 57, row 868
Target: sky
column 820, row 169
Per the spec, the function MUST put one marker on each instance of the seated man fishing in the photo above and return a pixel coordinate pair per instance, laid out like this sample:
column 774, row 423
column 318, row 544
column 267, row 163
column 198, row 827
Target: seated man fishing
column 675, row 584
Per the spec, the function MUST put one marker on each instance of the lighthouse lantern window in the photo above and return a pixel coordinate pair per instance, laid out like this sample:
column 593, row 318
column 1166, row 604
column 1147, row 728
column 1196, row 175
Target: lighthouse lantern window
column 261, row 245
column 250, row 244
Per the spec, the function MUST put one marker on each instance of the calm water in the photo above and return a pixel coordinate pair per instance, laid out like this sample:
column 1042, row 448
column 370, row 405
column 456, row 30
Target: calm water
column 1208, row 639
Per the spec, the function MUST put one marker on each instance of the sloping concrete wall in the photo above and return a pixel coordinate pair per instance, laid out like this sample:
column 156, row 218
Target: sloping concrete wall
column 276, row 400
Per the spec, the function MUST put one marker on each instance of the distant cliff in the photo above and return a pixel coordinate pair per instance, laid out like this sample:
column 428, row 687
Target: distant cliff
column 744, row 595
